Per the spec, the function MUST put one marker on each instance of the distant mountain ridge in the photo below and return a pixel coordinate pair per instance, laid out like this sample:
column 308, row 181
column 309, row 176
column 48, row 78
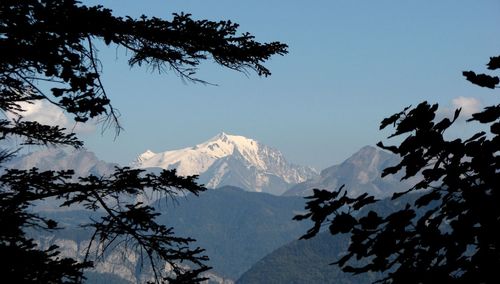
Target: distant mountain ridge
column 305, row 261
column 309, row 260
column 360, row 173
column 231, row 160
column 236, row 227
column 82, row 161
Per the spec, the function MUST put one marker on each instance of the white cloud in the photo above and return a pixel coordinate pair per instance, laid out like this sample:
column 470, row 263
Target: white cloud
column 49, row 114
column 469, row 105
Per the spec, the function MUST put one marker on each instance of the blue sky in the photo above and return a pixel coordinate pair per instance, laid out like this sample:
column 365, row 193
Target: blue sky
column 350, row 64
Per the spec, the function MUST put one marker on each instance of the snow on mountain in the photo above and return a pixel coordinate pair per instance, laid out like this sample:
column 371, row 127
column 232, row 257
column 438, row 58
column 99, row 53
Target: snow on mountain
column 360, row 173
column 83, row 162
column 231, row 160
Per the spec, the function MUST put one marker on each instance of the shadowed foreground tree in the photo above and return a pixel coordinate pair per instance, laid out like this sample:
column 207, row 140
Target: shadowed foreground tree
column 47, row 53
column 450, row 234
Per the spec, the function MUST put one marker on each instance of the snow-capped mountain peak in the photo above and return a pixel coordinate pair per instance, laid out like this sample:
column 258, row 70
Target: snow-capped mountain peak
column 360, row 173
column 247, row 147
column 197, row 159
column 230, row 160
column 146, row 155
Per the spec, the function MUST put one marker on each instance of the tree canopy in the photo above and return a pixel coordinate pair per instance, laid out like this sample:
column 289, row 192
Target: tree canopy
column 47, row 52
column 449, row 234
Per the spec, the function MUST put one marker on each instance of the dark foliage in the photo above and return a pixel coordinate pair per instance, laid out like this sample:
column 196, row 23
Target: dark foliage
column 47, row 53
column 447, row 235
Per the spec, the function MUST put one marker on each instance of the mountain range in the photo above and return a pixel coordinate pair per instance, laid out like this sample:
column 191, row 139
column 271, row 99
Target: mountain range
column 305, row 261
column 82, row 161
column 360, row 173
column 309, row 261
column 236, row 227
column 239, row 228
column 231, row 160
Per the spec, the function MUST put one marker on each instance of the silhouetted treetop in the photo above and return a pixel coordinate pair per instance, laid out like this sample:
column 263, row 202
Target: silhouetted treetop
column 485, row 80
column 449, row 232
column 47, row 52
column 53, row 40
